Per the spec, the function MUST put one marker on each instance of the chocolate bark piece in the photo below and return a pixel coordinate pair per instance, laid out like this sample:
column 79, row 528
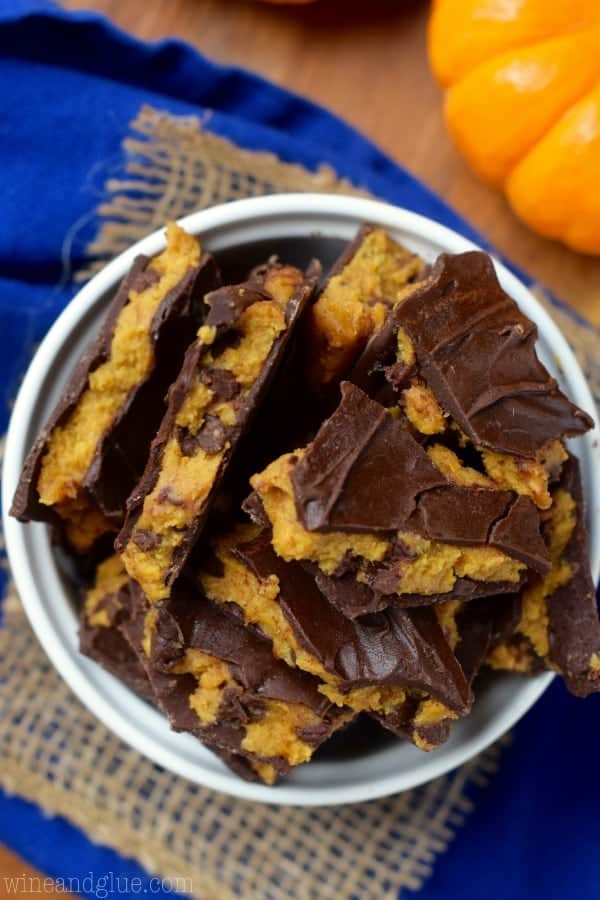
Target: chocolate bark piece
column 373, row 274
column 377, row 371
column 402, row 563
column 480, row 625
column 355, row 598
column 100, row 637
column 120, row 656
column 242, row 767
column 411, row 721
column 225, row 376
column 476, row 351
column 398, row 648
column 358, row 598
column 471, row 629
column 365, row 490
column 390, row 371
column 573, row 624
column 365, row 472
column 219, row 680
column 118, row 456
column 353, row 450
column 476, row 628
column 558, row 626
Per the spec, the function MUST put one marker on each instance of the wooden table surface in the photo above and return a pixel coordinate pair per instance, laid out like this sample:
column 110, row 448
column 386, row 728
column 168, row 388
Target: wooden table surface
column 366, row 61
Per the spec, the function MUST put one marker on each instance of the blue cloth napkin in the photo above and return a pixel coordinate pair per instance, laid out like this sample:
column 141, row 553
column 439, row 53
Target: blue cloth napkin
column 69, row 84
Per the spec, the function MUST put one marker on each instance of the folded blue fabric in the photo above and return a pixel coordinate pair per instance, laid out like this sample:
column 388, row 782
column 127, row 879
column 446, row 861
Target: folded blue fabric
column 70, row 83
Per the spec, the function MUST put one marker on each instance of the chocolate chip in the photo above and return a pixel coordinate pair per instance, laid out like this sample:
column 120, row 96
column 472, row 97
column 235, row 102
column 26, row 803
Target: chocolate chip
column 227, row 304
column 145, row 540
column 222, row 383
column 211, row 437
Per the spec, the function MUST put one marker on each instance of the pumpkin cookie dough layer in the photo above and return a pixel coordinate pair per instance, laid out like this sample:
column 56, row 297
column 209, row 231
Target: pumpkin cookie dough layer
column 219, row 680
column 373, row 274
column 365, row 498
column 223, row 380
column 558, row 626
column 372, row 665
column 94, row 448
column 461, row 355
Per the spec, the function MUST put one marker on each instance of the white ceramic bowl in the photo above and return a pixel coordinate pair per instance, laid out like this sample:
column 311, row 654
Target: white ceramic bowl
column 316, row 220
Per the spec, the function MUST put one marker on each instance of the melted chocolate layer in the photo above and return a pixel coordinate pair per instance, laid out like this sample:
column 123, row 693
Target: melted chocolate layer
column 106, row 645
column 354, row 449
column 573, row 624
column 120, row 456
column 226, row 304
column 356, row 598
column 365, row 472
column 476, row 351
column 480, row 626
column 569, row 615
column 397, row 647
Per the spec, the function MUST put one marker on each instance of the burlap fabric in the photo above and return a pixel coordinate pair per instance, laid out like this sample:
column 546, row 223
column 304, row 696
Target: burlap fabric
column 55, row 753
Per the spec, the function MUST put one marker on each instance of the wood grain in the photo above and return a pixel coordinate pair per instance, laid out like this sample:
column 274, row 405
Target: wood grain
column 367, row 62
column 19, row 880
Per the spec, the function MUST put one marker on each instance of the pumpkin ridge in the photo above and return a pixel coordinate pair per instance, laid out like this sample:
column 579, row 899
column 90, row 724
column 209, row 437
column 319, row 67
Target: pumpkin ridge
column 456, row 52
column 552, row 187
column 523, row 105
column 494, row 152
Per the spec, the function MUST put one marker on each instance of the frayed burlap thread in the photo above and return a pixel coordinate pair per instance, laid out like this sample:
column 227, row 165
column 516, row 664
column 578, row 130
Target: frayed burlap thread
column 57, row 754
column 173, row 166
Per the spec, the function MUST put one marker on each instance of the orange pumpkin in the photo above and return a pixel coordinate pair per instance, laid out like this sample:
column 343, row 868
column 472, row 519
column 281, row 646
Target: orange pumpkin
column 523, row 105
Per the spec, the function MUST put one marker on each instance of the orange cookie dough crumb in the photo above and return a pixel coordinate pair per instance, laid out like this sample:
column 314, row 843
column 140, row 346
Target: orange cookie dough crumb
column 149, row 629
column 422, row 409
column 406, row 349
column 432, row 711
column 455, row 470
column 84, row 525
column 212, row 675
column 266, row 772
column 110, row 578
column 351, row 308
column 517, row 656
column 429, row 712
column 558, row 531
column 437, row 566
column 276, row 734
column 528, row 477
column 446, row 615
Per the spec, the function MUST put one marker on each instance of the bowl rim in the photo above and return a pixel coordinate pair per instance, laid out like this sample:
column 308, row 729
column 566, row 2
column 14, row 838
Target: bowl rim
column 72, row 668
